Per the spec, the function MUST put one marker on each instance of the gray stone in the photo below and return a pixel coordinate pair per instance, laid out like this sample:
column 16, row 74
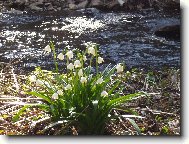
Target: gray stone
column 37, row 6
column 72, row 6
column 96, row 3
column 82, row 5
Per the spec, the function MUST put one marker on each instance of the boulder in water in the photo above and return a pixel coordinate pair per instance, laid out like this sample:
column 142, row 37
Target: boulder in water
column 169, row 32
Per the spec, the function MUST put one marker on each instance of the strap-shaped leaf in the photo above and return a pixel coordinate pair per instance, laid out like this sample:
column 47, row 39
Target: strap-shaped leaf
column 40, row 96
column 122, row 99
column 135, row 125
column 114, row 87
column 20, row 112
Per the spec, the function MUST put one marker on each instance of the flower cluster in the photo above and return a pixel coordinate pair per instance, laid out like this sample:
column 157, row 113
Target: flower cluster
column 80, row 94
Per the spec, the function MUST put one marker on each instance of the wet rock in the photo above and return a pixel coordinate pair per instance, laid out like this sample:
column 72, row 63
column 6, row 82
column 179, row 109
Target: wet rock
column 113, row 4
column 18, row 5
column 14, row 11
column 96, row 3
column 82, row 4
column 72, row 6
column 49, row 7
column 37, row 6
column 169, row 32
column 173, row 5
column 137, row 4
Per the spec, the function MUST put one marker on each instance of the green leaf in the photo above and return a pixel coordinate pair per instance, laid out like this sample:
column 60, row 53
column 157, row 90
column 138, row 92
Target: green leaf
column 114, row 87
column 20, row 112
column 127, row 111
column 40, row 96
column 43, row 107
column 135, row 125
column 122, row 99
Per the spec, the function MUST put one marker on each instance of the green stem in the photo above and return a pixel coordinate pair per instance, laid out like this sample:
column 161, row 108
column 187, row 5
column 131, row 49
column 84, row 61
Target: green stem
column 67, row 62
column 96, row 61
column 54, row 54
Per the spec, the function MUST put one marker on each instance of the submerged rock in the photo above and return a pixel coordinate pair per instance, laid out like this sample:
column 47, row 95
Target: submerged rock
column 169, row 32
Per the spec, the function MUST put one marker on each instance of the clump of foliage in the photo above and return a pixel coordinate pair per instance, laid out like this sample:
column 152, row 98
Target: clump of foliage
column 83, row 96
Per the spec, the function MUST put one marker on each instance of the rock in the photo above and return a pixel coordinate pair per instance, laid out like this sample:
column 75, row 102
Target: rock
column 37, row 6
column 113, row 4
column 137, row 4
column 13, row 11
column 50, row 7
column 82, row 5
column 121, row 2
column 169, row 32
column 72, row 6
column 18, row 5
column 59, row 8
column 172, row 5
column 70, row 1
column 96, row 3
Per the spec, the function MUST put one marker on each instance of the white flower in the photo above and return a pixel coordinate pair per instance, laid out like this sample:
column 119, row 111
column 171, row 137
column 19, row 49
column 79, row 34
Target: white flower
column 80, row 72
column 84, row 58
column 47, row 84
column 99, row 81
column 95, row 103
column 33, row 78
column 55, row 96
column 100, row 60
column 59, row 92
column 83, row 80
column 60, row 56
column 127, row 72
column 91, row 50
column 119, row 68
column 104, row 93
column 48, row 49
column 39, row 82
column 68, row 87
column 69, row 54
column 77, row 64
column 70, row 66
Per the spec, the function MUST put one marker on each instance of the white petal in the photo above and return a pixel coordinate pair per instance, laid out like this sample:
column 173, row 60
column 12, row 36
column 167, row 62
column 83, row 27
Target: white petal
column 59, row 92
column 99, row 81
column 60, row 56
column 48, row 49
column 33, row 78
column 55, row 96
column 69, row 54
column 77, row 64
column 104, row 93
column 39, row 82
column 100, row 60
column 68, row 87
column 84, row 58
column 119, row 68
column 83, row 80
column 80, row 72
column 91, row 50
column 70, row 66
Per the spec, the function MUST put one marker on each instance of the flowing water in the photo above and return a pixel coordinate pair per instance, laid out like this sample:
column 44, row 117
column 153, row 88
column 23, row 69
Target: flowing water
column 123, row 36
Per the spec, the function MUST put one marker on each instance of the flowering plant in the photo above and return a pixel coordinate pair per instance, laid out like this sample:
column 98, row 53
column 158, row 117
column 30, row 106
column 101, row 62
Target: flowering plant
column 81, row 96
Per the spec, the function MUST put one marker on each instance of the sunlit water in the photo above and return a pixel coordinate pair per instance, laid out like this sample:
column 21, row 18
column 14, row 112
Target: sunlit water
column 123, row 37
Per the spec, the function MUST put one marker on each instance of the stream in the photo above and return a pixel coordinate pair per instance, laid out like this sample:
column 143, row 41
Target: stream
column 122, row 36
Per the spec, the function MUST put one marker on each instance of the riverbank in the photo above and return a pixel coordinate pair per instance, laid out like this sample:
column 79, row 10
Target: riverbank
column 160, row 109
column 116, row 5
